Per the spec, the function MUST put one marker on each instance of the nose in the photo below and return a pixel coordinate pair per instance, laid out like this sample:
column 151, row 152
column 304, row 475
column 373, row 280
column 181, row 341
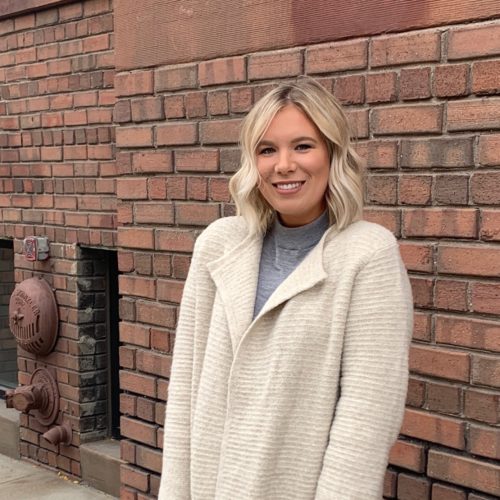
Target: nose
column 284, row 163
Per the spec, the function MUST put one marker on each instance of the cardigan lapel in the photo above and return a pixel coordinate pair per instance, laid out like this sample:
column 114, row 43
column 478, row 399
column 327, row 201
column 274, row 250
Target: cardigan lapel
column 236, row 274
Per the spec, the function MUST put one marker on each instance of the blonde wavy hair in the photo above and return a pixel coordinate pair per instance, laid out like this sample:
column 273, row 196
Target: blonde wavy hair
column 344, row 195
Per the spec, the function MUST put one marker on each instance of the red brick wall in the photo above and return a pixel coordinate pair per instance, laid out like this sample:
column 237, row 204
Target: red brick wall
column 425, row 114
column 424, row 107
column 57, row 179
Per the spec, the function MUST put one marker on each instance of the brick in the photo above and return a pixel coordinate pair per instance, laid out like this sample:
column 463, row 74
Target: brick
column 415, row 189
column 276, row 64
column 489, row 145
column 451, row 295
column 468, row 332
column 381, row 189
column 149, row 459
column 219, row 190
column 450, row 80
column 417, row 256
column 130, row 137
column 421, row 326
column 490, row 225
column 464, row 471
column 358, row 122
column 157, row 188
column 436, row 153
column 133, row 189
column 195, row 104
column 220, row 71
column 133, row 333
column 482, row 405
column 174, row 106
column 486, row 370
column 138, row 384
column 180, row 133
column 138, row 431
column 433, row 222
column 451, row 189
column 390, row 482
column 135, row 238
column 137, row 286
column 182, row 76
column 434, row 428
column 197, row 160
column 152, row 162
column 477, row 114
column 381, row 87
column 218, row 103
column 388, row 218
column 147, row 109
column 350, row 89
column 154, row 363
column 139, row 82
column 196, row 213
column 416, row 392
column 220, row 132
column 196, row 188
column 241, row 99
column 484, row 441
column 445, row 492
column 379, row 154
column 337, row 56
column 415, row 83
column 156, row 314
column 485, row 297
column 486, row 77
column 485, row 188
column 475, row 41
column 173, row 240
column 443, row 398
column 408, row 455
column 170, row 290
column 405, row 48
column 406, row 120
column 413, row 487
column 439, row 362
column 153, row 213
column 469, row 260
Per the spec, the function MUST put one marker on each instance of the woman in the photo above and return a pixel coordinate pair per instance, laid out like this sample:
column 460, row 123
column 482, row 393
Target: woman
column 290, row 369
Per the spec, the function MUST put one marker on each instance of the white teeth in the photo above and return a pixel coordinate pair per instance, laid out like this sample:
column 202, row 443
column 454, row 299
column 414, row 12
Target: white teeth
column 293, row 185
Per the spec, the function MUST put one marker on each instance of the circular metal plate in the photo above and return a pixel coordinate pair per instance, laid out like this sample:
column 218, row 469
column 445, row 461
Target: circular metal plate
column 33, row 317
column 47, row 415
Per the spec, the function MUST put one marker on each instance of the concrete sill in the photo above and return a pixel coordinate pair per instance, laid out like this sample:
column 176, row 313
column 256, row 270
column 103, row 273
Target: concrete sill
column 100, row 465
column 9, row 431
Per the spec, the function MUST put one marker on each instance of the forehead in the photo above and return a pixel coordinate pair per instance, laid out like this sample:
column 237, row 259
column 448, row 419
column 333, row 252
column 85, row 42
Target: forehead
column 289, row 121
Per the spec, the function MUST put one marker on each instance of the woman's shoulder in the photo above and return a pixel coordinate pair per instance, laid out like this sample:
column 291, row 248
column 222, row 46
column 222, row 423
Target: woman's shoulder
column 360, row 241
column 221, row 232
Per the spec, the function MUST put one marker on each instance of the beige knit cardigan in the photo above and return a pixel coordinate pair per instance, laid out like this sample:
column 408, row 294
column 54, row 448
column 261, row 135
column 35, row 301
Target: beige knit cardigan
column 304, row 401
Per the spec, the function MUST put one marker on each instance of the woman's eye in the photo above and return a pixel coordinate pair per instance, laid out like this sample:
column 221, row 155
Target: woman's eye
column 266, row 151
column 303, row 147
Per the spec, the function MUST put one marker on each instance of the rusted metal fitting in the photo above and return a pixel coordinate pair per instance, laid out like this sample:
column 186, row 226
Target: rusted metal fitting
column 41, row 395
column 33, row 317
column 60, row 434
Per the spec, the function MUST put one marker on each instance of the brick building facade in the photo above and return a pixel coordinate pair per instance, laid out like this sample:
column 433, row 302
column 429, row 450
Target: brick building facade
column 118, row 135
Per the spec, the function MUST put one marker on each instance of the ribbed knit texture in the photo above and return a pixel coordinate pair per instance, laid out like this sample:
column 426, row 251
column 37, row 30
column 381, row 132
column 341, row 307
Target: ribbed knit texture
column 304, row 401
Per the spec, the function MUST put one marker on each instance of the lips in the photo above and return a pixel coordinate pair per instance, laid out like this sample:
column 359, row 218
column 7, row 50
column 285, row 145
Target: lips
column 288, row 187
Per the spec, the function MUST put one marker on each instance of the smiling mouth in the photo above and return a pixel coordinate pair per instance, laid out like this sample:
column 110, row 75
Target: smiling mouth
column 288, row 186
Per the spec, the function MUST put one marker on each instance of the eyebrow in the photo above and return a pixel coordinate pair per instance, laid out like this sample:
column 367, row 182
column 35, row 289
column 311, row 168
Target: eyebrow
column 298, row 139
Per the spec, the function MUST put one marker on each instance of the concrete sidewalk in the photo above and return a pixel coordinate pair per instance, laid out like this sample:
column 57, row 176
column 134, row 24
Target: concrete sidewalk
column 20, row 480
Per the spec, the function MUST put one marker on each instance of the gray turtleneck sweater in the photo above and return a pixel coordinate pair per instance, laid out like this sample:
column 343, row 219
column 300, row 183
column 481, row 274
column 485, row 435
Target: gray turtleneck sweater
column 283, row 249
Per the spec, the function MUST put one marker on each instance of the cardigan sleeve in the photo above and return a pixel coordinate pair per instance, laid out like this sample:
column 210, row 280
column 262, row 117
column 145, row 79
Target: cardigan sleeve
column 373, row 384
column 175, row 477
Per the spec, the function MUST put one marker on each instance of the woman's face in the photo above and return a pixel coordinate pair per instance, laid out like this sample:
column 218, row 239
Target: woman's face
column 294, row 165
